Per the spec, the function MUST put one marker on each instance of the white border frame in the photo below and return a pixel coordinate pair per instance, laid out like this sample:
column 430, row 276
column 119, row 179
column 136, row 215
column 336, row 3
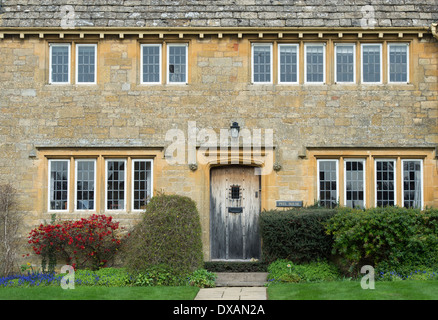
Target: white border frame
column 324, row 45
column 76, row 184
column 271, row 76
column 395, row 179
column 151, row 161
column 342, row 44
column 167, row 62
column 407, row 62
column 77, row 63
column 337, row 177
column 422, row 181
column 361, row 62
column 297, row 45
column 364, row 161
column 160, row 46
column 51, row 45
column 106, row 185
column 49, row 185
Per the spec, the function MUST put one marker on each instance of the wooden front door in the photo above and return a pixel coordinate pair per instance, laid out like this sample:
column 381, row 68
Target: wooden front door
column 234, row 213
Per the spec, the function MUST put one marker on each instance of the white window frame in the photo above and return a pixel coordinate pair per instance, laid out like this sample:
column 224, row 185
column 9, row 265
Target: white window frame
column 324, row 45
column 422, row 181
column 271, row 76
column 364, row 179
column 167, row 62
column 381, row 62
column 407, row 62
column 77, row 63
column 337, row 177
column 160, row 46
column 106, row 185
column 51, row 45
column 395, row 179
column 279, row 62
column 151, row 161
column 337, row 45
column 76, row 184
column 49, row 185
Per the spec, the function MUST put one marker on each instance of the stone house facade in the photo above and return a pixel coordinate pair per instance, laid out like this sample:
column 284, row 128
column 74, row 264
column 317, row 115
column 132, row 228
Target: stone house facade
column 105, row 103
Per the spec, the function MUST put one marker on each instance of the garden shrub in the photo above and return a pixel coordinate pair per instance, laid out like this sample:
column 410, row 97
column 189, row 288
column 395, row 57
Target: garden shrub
column 283, row 270
column 389, row 237
column 169, row 233
column 86, row 243
column 202, row 278
column 297, row 235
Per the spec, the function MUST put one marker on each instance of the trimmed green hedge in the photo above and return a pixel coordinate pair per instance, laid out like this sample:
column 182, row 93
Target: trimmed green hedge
column 298, row 235
column 389, row 237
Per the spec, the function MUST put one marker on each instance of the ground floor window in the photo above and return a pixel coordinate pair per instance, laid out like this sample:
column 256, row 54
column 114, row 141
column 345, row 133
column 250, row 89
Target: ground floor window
column 113, row 184
column 372, row 181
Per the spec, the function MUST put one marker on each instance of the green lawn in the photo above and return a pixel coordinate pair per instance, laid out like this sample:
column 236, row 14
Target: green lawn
column 100, row 293
column 352, row 290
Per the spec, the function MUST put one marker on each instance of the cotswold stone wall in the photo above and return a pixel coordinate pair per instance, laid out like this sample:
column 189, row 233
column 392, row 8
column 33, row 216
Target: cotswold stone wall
column 119, row 112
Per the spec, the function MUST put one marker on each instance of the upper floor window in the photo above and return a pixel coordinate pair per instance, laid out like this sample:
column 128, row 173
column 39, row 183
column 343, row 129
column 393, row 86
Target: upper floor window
column 372, row 63
column 288, row 63
column 398, row 57
column 86, row 63
column 345, row 63
column 314, row 65
column 177, row 62
column 262, row 63
column 151, row 63
column 60, row 63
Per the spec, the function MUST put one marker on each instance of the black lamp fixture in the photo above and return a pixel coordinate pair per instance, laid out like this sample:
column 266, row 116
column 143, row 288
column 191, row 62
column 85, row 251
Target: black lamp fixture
column 234, row 130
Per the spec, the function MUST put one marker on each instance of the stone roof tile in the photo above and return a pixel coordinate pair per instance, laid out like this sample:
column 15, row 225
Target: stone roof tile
column 219, row 13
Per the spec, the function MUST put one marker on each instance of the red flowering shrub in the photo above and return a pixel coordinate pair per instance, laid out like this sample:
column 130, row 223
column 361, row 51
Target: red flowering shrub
column 85, row 243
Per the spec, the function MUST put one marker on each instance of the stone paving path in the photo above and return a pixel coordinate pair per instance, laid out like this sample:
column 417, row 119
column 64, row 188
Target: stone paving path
column 232, row 293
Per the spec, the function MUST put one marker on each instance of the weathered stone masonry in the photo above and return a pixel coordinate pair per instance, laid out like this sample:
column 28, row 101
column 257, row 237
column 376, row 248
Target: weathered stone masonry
column 120, row 116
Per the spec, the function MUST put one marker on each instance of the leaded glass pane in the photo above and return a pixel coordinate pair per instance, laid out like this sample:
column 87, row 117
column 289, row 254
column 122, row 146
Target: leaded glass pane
column 398, row 63
column 151, row 63
column 385, row 183
column 345, row 63
column 86, row 61
column 177, row 63
column 262, row 63
column 85, row 185
column 142, row 183
column 315, row 63
column 354, row 179
column 328, row 182
column 412, row 184
column 288, row 63
column 371, row 64
column 115, row 185
column 60, row 64
column 58, row 185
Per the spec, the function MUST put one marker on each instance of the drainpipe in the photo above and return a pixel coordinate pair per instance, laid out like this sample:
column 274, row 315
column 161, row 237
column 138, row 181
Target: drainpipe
column 434, row 30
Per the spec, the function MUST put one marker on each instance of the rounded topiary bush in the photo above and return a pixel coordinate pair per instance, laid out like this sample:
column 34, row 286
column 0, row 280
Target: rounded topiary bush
column 169, row 233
